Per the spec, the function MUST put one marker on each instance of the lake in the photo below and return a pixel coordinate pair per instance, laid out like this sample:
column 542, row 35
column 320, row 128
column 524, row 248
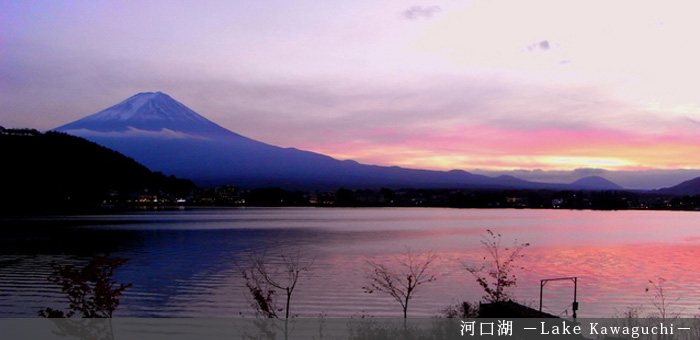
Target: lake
column 186, row 263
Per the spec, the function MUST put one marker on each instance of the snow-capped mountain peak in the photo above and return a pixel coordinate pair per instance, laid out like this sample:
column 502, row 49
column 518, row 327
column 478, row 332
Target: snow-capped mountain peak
column 131, row 107
column 147, row 111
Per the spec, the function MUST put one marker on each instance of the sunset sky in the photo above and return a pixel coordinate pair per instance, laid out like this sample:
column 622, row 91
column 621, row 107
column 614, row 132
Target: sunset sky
column 492, row 84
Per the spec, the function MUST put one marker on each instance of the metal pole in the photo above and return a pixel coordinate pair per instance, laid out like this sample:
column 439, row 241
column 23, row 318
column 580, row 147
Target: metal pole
column 574, row 306
column 542, row 282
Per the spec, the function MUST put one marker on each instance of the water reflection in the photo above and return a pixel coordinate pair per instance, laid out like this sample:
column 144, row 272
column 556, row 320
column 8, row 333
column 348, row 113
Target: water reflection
column 184, row 263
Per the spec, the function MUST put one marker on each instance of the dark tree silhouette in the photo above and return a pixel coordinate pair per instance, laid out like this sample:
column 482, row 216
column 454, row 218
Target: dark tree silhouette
column 263, row 277
column 497, row 275
column 660, row 300
column 91, row 290
column 401, row 278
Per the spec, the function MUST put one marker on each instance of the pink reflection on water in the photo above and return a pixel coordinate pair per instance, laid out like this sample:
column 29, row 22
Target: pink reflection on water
column 613, row 278
column 613, row 256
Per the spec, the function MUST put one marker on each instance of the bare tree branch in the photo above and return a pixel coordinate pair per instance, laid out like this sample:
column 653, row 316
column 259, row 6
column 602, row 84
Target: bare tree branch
column 263, row 277
column 499, row 268
column 658, row 297
column 402, row 279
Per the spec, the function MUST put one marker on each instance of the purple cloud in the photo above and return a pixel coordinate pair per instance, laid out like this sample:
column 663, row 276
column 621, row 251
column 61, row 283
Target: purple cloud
column 418, row 12
column 542, row 46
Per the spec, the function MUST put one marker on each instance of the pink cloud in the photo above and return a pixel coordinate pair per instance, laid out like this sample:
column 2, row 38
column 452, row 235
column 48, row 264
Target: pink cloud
column 372, row 132
column 468, row 147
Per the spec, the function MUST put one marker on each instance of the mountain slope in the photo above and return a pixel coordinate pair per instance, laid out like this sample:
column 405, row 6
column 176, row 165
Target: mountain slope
column 58, row 172
column 594, row 183
column 689, row 187
column 166, row 136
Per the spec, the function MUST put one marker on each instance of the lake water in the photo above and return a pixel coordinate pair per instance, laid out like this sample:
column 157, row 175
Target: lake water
column 184, row 263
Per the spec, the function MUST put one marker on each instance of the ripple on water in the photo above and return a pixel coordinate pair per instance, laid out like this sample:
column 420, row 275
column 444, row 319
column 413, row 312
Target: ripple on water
column 185, row 264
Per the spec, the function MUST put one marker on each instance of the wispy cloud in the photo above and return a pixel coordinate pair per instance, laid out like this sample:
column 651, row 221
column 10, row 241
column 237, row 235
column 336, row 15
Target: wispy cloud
column 542, row 46
column 418, row 12
column 694, row 121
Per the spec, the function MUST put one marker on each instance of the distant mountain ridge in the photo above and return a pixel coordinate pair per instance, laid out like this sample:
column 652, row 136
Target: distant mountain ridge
column 166, row 136
column 689, row 187
column 594, row 183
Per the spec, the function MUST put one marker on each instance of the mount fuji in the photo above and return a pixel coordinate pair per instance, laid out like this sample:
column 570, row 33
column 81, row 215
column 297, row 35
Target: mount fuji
column 154, row 114
column 165, row 135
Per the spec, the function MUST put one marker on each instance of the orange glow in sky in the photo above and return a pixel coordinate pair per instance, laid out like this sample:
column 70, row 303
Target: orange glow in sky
column 548, row 149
